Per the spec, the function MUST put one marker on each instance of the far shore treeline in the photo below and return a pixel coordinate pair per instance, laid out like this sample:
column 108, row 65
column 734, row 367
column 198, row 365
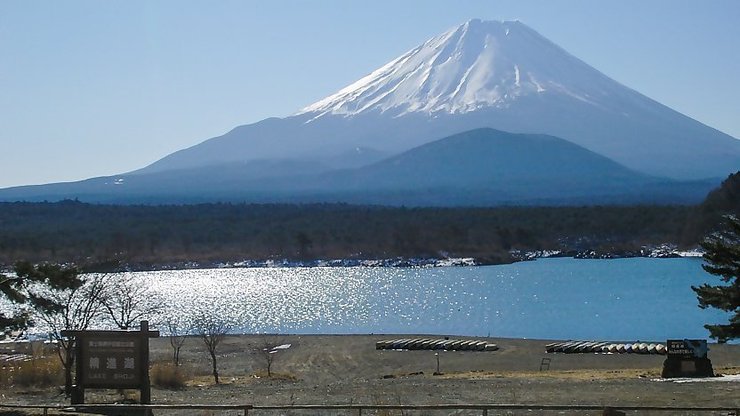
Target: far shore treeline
column 158, row 236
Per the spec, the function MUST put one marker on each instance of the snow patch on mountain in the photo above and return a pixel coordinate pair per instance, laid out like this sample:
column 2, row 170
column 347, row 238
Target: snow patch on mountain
column 475, row 65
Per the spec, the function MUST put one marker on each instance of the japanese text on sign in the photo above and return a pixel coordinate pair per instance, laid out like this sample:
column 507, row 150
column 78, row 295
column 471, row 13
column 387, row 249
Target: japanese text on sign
column 111, row 362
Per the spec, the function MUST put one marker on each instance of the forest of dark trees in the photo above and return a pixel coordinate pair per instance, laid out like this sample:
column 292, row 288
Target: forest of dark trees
column 152, row 236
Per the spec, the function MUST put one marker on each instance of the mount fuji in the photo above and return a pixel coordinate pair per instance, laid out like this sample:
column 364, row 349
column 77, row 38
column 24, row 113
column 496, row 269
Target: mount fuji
column 472, row 67
column 481, row 74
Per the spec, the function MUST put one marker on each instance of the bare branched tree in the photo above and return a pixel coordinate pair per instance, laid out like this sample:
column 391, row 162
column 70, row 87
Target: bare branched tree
column 212, row 328
column 177, row 334
column 82, row 307
column 268, row 350
column 128, row 301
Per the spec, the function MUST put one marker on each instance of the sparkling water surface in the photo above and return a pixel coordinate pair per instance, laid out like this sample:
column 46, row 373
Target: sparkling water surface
column 561, row 298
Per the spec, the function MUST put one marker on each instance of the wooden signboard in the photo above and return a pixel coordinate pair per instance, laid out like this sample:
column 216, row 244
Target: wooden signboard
column 112, row 360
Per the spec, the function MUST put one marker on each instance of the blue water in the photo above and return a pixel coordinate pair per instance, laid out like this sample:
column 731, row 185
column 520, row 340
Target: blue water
column 624, row 299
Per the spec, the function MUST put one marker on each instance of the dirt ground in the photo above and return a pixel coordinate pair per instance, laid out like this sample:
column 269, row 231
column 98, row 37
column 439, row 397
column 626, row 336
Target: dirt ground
column 347, row 369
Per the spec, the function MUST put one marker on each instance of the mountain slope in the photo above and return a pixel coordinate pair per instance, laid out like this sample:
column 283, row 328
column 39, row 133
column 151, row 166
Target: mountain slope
column 487, row 166
column 479, row 167
column 486, row 157
column 502, row 75
column 473, row 66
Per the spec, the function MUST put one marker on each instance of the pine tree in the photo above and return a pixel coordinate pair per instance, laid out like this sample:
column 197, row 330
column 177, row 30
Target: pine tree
column 722, row 258
column 27, row 276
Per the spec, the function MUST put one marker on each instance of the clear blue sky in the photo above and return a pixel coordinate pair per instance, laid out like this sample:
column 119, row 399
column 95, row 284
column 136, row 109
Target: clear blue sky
column 91, row 88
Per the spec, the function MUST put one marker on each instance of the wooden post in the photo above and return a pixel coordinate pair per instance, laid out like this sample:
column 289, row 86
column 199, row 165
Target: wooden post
column 146, row 390
column 78, row 390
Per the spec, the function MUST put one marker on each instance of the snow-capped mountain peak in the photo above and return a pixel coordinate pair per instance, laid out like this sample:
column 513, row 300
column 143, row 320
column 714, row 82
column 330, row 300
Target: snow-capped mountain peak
column 477, row 64
column 500, row 75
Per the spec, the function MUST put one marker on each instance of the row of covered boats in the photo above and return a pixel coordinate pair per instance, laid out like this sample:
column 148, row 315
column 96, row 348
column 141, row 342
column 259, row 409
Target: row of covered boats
column 435, row 344
column 575, row 347
column 564, row 347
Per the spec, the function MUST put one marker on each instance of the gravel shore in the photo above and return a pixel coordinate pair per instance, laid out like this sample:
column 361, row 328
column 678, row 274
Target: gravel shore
column 347, row 369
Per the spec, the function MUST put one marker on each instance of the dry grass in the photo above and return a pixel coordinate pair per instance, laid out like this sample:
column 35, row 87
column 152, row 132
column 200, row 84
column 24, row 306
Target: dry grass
column 36, row 371
column 727, row 370
column 168, row 376
column 207, row 380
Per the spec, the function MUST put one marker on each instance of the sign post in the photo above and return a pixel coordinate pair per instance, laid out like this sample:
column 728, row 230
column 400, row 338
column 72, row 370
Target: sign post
column 112, row 360
column 687, row 358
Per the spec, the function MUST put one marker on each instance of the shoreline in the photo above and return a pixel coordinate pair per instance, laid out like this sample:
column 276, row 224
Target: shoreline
column 340, row 369
column 410, row 262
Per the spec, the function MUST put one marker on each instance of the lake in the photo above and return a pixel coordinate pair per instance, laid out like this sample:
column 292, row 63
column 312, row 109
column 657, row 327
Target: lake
column 557, row 298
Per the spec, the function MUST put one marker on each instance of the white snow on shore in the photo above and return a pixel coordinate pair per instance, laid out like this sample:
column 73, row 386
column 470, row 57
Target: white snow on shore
column 691, row 253
column 729, row 378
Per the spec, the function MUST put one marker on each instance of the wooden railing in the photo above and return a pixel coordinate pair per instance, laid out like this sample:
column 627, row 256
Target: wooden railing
column 359, row 408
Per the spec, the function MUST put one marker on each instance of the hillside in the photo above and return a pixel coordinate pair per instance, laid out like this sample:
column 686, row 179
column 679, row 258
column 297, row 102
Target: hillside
column 481, row 167
column 480, row 74
column 707, row 216
column 502, row 75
